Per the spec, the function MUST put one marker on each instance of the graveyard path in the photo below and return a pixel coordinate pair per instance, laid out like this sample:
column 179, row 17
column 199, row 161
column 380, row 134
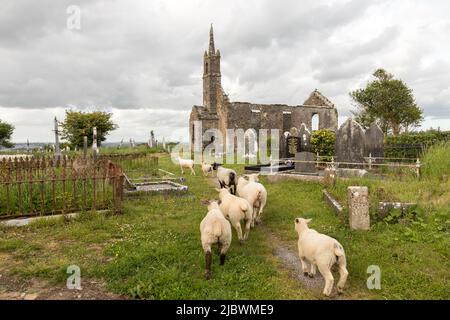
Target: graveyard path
column 287, row 255
column 289, row 262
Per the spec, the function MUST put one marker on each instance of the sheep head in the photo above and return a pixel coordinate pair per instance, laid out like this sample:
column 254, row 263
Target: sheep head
column 301, row 224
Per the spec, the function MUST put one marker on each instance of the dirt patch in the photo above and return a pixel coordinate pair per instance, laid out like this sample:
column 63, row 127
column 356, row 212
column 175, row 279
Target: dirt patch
column 14, row 289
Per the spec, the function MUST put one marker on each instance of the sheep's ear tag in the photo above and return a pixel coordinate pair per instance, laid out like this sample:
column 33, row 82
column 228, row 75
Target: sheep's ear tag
column 308, row 220
column 218, row 190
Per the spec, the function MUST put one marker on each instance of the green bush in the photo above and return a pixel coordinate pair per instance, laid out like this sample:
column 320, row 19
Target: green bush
column 411, row 145
column 322, row 142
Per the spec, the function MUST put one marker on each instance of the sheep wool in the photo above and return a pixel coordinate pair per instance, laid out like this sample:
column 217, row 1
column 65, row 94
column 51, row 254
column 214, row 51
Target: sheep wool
column 323, row 252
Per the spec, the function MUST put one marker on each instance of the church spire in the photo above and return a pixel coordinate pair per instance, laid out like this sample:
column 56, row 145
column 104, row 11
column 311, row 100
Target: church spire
column 212, row 49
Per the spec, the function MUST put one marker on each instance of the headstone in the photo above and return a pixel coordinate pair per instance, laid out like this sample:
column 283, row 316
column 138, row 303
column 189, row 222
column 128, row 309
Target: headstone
column 85, row 147
column 305, row 138
column 308, row 166
column 329, row 176
column 292, row 146
column 94, row 142
column 358, row 208
column 350, row 142
column 375, row 141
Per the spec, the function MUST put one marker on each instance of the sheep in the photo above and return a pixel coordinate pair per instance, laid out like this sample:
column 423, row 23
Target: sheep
column 186, row 163
column 206, row 168
column 214, row 228
column 250, row 192
column 226, row 177
column 254, row 182
column 236, row 209
column 322, row 251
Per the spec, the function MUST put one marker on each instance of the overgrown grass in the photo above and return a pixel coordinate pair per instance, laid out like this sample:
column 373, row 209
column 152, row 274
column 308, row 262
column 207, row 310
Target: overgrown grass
column 153, row 250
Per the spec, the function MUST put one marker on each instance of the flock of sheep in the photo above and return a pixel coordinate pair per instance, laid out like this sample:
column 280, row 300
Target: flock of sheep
column 243, row 200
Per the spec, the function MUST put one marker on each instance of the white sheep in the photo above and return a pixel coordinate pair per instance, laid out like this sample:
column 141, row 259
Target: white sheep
column 236, row 210
column 323, row 252
column 253, row 181
column 226, row 177
column 250, row 192
column 206, row 168
column 214, row 228
column 186, row 163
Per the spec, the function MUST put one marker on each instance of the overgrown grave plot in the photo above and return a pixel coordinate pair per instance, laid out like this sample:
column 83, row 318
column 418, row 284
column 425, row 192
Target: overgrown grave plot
column 142, row 175
column 40, row 186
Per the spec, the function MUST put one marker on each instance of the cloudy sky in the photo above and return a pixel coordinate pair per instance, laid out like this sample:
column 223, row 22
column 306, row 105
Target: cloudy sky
column 142, row 59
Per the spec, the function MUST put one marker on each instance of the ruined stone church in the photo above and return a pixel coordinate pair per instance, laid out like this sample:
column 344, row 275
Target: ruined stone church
column 219, row 113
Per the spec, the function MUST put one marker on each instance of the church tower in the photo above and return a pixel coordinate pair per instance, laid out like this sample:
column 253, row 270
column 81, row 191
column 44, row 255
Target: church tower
column 211, row 75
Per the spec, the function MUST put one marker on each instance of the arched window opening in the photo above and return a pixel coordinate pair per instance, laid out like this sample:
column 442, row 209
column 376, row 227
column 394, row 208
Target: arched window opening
column 315, row 122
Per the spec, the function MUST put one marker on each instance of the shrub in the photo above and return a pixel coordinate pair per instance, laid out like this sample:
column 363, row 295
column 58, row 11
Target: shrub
column 322, row 142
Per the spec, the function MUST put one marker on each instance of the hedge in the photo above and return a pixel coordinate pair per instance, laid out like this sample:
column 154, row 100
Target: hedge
column 412, row 145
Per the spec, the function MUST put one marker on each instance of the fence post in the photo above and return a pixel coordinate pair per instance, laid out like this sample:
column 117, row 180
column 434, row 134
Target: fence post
column 418, row 164
column 370, row 161
column 119, row 193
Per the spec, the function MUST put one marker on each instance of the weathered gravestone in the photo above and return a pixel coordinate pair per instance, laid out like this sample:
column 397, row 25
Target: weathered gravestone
column 375, row 141
column 308, row 166
column 305, row 138
column 292, row 146
column 358, row 208
column 350, row 142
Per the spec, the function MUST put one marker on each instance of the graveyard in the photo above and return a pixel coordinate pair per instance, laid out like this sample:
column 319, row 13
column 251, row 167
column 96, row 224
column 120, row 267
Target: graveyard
column 240, row 153
column 151, row 250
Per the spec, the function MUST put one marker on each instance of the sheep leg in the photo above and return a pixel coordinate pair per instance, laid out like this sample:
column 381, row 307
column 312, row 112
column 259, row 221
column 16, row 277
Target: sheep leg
column 223, row 251
column 192, row 171
column 260, row 212
column 253, row 217
column 208, row 260
column 329, row 280
column 304, row 265
column 343, row 274
column 182, row 171
column 237, row 226
column 313, row 270
column 247, row 228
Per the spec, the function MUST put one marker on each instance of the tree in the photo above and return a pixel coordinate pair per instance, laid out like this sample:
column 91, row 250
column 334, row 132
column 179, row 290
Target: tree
column 389, row 102
column 78, row 124
column 6, row 131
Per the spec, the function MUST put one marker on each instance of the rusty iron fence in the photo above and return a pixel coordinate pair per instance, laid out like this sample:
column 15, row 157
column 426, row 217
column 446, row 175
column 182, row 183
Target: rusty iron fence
column 36, row 186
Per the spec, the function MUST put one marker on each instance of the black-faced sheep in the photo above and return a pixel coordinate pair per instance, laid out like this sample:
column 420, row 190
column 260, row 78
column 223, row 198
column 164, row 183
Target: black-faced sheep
column 227, row 177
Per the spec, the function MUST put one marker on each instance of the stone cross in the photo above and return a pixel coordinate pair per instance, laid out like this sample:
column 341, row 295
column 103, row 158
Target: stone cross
column 57, row 148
